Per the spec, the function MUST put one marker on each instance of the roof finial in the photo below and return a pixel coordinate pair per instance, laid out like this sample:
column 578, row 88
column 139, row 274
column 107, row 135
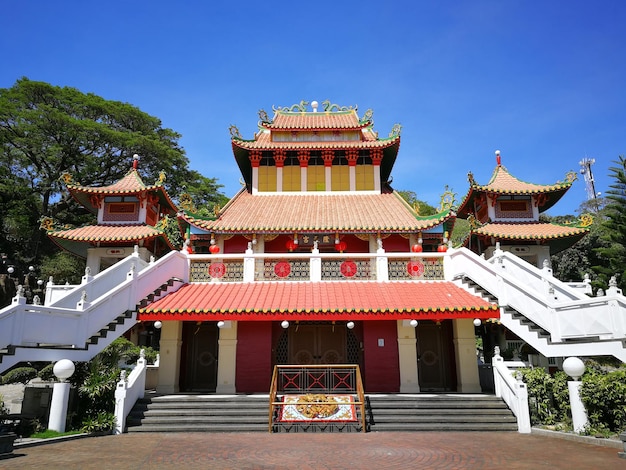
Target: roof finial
column 498, row 160
column 314, row 105
column 135, row 161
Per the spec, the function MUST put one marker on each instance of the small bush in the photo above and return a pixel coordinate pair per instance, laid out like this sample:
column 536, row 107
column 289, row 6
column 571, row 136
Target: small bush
column 604, row 397
column 19, row 375
column 547, row 396
column 47, row 374
column 101, row 423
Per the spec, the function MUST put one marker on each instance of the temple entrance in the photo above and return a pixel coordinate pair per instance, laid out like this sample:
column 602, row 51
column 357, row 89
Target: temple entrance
column 436, row 367
column 317, row 344
column 199, row 349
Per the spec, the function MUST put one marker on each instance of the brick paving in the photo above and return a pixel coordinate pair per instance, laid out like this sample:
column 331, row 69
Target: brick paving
column 397, row 450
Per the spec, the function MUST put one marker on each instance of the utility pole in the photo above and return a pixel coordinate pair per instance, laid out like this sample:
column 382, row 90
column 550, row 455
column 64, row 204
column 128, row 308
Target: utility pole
column 585, row 170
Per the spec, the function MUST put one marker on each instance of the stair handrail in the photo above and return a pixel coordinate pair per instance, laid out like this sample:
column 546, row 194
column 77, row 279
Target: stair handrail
column 128, row 391
column 547, row 309
column 101, row 283
column 73, row 326
column 512, row 390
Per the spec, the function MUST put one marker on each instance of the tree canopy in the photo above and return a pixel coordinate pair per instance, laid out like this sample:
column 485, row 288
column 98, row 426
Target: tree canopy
column 46, row 131
column 613, row 252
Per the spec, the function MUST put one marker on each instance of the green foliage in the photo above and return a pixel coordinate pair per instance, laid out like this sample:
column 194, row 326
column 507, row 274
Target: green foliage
column 614, row 235
column 47, row 373
column 604, row 396
column 62, row 267
column 3, row 409
column 19, row 375
column 100, row 423
column 547, row 396
column 423, row 207
column 460, row 232
column 46, row 131
column 49, row 433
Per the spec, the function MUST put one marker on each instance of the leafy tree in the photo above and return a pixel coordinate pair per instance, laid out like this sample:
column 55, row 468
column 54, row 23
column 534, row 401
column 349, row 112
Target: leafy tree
column 423, row 207
column 46, row 131
column 613, row 253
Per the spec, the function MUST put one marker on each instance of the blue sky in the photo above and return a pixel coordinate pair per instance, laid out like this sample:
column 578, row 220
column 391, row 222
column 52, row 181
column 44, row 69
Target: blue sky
column 542, row 81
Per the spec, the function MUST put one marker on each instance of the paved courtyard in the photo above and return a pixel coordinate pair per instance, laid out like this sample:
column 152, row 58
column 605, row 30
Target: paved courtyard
column 430, row 450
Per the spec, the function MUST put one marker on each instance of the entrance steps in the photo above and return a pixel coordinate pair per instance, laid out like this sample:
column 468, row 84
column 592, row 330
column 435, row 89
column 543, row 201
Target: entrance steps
column 439, row 412
column 389, row 412
column 199, row 413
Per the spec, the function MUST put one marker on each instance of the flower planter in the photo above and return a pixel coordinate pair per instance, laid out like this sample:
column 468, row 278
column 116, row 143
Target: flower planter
column 6, row 443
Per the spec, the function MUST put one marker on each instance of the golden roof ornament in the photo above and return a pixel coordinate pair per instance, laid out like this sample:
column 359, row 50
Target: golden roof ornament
column 186, row 202
column 448, row 198
column 234, row 132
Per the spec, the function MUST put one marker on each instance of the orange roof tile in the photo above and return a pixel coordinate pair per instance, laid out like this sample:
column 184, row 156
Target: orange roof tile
column 263, row 141
column 315, row 212
column 311, row 121
column 108, row 233
column 367, row 300
column 528, row 230
column 130, row 184
column 502, row 182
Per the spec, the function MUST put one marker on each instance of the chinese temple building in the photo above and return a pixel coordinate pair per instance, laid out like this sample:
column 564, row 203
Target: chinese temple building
column 506, row 211
column 317, row 260
column 129, row 214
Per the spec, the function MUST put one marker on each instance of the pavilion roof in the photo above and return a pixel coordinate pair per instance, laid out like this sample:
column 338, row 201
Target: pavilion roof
column 77, row 240
column 559, row 237
column 329, row 300
column 319, row 212
column 130, row 185
column 503, row 183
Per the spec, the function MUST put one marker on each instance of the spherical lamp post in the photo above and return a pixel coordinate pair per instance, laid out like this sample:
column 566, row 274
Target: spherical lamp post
column 575, row 368
column 63, row 370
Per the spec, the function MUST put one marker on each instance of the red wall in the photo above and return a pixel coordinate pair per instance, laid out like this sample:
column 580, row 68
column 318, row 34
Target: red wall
column 254, row 357
column 382, row 364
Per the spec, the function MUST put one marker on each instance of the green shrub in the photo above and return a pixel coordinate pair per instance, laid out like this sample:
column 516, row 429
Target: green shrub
column 101, row 423
column 19, row 375
column 604, row 397
column 47, row 374
column 548, row 398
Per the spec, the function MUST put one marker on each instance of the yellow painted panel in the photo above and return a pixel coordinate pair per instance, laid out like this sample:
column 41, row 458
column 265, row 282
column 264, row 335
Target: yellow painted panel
column 315, row 178
column 267, row 178
column 340, row 176
column 291, row 178
column 365, row 177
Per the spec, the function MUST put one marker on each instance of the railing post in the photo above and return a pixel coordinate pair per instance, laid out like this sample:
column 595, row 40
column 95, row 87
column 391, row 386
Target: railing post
column 382, row 264
column 120, row 398
column 523, row 414
column 248, row 265
column 315, row 266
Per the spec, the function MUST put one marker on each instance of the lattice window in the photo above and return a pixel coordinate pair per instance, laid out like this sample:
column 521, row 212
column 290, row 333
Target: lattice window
column 282, row 348
column 354, row 348
column 283, row 270
column 416, row 269
column 346, row 269
column 207, row 271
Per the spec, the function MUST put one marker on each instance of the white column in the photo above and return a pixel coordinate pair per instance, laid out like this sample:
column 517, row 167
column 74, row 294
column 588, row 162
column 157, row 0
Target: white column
column 407, row 352
column 328, row 178
column 377, row 178
column 352, row 173
column 255, row 180
column 303, row 178
column 279, row 179
column 465, row 355
column 227, row 365
column 169, row 354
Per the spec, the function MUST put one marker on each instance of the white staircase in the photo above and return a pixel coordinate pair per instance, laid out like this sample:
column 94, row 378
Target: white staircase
column 88, row 317
column 551, row 316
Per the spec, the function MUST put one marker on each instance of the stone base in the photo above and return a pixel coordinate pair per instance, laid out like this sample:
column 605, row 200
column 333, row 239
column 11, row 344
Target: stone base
column 6, row 443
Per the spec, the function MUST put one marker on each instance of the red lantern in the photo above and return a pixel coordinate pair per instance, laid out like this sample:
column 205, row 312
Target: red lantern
column 417, row 248
column 291, row 245
column 341, row 246
column 214, row 249
column 189, row 249
column 442, row 248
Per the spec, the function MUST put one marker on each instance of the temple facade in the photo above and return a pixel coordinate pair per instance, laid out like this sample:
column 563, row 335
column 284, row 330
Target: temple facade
column 316, row 260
